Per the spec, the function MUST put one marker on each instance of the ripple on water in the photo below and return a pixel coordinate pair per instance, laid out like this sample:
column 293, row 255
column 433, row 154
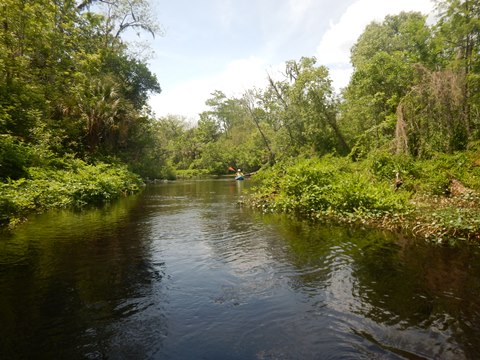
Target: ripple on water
column 194, row 276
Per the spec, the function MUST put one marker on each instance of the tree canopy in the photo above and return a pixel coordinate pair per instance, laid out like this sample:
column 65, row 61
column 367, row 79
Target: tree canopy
column 414, row 91
column 69, row 85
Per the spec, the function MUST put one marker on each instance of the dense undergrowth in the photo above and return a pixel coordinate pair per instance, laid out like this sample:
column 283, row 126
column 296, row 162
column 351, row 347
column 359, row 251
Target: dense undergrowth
column 70, row 183
column 438, row 199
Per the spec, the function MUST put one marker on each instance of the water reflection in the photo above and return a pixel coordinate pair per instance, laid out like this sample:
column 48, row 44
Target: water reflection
column 405, row 297
column 185, row 271
column 70, row 280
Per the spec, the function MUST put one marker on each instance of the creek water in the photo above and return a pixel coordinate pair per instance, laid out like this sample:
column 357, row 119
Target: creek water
column 184, row 271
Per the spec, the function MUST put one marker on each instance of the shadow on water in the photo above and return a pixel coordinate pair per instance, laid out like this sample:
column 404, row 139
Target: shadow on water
column 184, row 271
column 69, row 280
column 395, row 296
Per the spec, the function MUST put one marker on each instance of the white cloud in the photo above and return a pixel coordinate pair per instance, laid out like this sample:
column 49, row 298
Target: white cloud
column 340, row 76
column 184, row 99
column 242, row 74
column 334, row 48
column 188, row 98
column 298, row 8
column 225, row 12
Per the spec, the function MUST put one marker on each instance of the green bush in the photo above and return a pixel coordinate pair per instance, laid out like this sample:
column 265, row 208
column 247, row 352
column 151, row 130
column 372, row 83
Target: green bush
column 77, row 185
column 362, row 191
column 327, row 186
column 191, row 173
column 433, row 176
column 384, row 165
column 14, row 157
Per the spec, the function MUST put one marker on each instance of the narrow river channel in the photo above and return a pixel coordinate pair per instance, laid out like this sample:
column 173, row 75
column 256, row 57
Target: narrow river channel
column 183, row 271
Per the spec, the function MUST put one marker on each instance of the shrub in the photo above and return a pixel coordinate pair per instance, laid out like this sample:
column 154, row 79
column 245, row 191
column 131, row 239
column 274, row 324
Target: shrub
column 77, row 185
column 14, row 156
column 433, row 176
column 327, row 186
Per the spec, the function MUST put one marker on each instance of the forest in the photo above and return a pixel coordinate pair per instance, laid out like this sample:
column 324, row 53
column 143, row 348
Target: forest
column 398, row 147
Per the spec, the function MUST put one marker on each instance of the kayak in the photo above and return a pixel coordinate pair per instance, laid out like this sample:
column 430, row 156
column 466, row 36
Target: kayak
column 240, row 177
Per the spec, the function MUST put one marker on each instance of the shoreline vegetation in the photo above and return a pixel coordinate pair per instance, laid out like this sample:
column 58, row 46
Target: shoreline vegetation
column 438, row 201
column 75, row 185
column 76, row 127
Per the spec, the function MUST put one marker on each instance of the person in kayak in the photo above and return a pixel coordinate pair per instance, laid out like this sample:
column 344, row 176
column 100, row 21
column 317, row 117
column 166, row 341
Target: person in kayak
column 239, row 173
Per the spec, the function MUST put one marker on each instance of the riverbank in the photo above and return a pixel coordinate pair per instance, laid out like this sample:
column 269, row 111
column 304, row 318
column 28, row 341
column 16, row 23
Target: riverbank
column 72, row 183
column 436, row 199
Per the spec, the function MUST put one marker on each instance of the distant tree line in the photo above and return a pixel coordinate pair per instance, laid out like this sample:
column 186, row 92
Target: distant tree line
column 414, row 91
column 69, row 87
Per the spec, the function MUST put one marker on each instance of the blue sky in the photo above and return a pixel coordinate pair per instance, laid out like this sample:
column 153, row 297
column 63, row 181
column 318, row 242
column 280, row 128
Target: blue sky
column 230, row 45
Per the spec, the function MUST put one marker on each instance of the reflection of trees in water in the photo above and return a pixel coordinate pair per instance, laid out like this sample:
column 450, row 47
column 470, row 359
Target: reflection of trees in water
column 315, row 251
column 419, row 296
column 80, row 277
column 413, row 285
column 406, row 297
column 99, row 290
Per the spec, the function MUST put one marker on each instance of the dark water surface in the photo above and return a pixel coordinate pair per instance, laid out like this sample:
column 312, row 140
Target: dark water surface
column 183, row 272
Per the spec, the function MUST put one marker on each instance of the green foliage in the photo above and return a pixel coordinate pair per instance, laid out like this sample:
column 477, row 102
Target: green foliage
column 191, row 173
column 406, row 32
column 384, row 165
column 455, row 224
column 66, row 75
column 14, row 157
column 213, row 159
column 434, row 176
column 439, row 199
column 383, row 58
column 439, row 96
column 328, row 187
column 136, row 80
column 76, row 185
column 304, row 107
